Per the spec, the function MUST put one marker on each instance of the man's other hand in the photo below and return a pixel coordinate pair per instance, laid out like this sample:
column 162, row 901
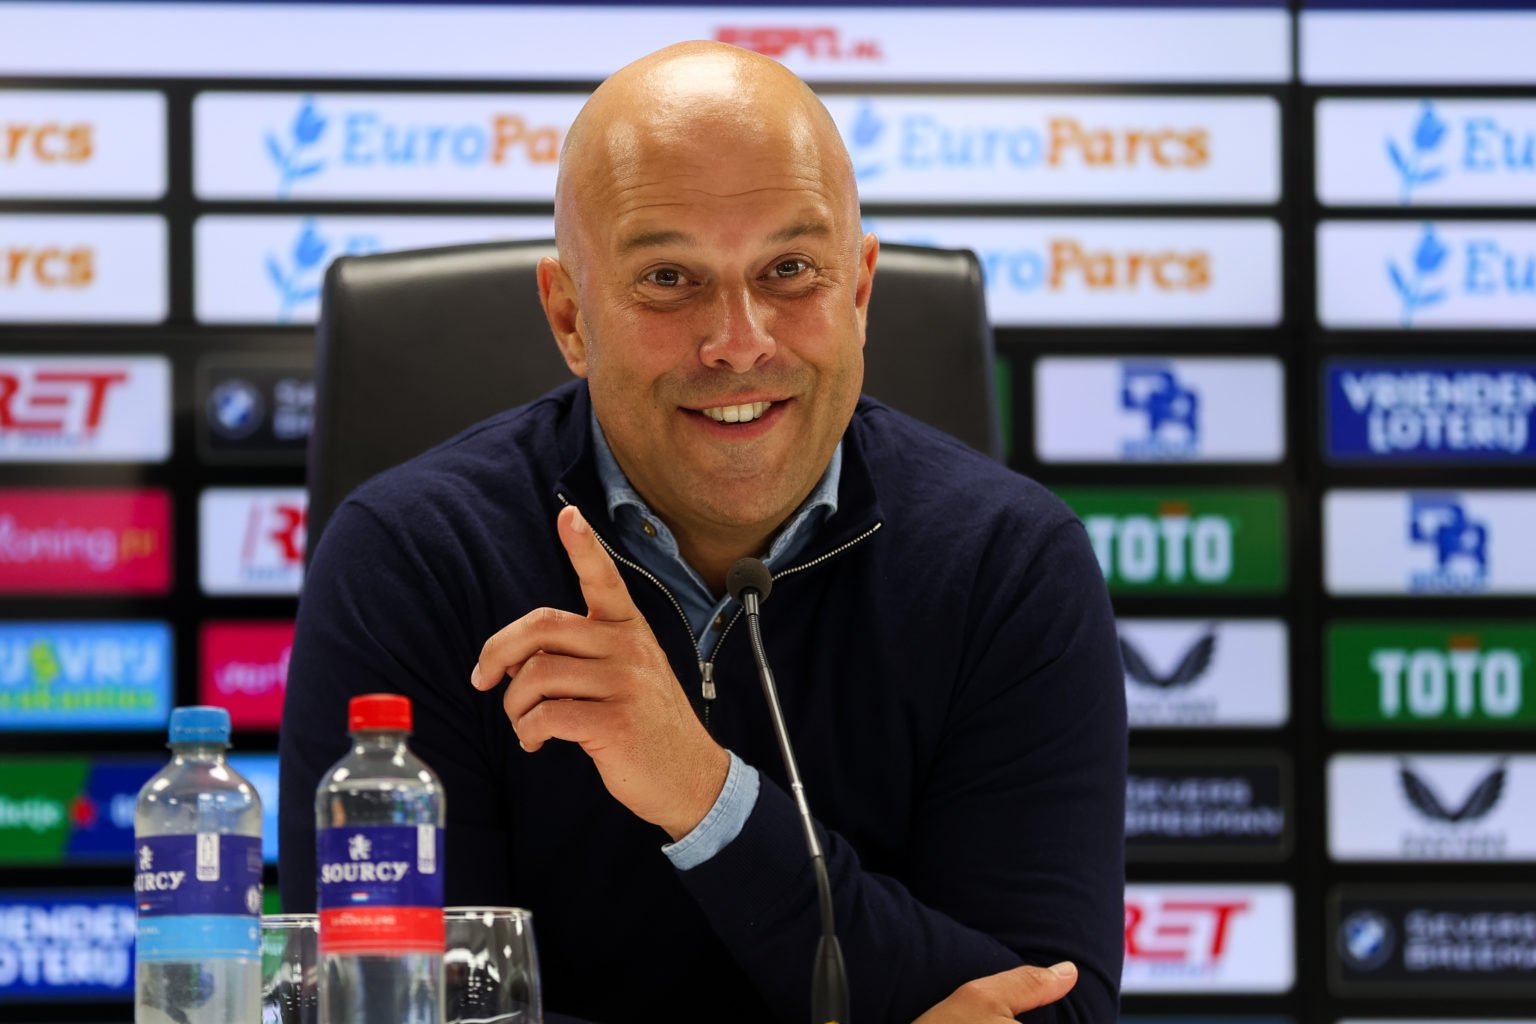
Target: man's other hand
column 602, row 681
column 1002, row 997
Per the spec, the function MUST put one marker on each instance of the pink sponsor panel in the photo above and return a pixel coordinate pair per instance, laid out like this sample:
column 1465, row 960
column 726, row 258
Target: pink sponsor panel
column 245, row 669
column 85, row 541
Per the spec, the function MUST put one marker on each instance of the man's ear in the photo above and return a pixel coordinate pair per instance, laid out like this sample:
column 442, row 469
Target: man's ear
column 869, row 252
column 557, row 293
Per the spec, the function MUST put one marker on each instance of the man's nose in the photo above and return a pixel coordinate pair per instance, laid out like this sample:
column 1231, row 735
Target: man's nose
column 738, row 336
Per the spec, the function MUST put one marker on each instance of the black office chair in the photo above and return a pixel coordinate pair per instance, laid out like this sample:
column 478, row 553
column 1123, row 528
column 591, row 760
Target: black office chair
column 415, row 346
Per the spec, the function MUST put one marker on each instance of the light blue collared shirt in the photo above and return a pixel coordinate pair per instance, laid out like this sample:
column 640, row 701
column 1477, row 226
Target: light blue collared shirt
column 652, row 544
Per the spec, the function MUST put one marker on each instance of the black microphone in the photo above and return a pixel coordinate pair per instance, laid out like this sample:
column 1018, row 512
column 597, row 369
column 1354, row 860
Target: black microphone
column 750, row 582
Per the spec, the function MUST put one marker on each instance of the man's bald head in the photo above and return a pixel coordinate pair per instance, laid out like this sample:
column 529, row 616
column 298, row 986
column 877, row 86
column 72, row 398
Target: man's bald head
column 694, row 94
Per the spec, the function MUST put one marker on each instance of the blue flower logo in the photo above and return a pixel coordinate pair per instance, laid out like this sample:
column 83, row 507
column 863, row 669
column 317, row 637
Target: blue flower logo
column 1412, row 289
column 293, row 281
column 867, row 129
column 1428, row 133
column 308, row 125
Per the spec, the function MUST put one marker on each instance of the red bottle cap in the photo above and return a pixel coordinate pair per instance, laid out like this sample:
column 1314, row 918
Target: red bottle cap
column 383, row 711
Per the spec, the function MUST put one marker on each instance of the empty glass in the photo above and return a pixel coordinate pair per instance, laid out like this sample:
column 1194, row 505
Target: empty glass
column 290, row 982
column 490, row 967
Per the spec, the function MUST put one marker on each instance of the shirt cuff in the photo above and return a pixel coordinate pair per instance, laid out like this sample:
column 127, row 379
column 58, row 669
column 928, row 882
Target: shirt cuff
column 723, row 822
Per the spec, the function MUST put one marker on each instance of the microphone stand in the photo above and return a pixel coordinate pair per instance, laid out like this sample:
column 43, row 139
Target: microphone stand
column 749, row 582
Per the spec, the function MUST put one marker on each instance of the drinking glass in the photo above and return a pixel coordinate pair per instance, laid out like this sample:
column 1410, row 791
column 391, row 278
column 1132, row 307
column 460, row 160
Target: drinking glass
column 490, row 967
column 290, row 980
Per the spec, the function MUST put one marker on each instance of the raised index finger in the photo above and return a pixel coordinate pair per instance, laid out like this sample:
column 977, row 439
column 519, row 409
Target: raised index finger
column 602, row 587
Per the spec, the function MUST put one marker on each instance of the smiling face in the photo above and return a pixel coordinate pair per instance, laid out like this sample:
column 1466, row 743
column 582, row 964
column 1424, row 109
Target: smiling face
column 712, row 286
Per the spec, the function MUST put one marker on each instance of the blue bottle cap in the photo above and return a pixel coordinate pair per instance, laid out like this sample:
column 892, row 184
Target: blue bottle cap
column 199, row 724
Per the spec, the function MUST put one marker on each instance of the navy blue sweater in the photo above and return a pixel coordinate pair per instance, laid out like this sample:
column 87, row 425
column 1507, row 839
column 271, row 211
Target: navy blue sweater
column 946, row 657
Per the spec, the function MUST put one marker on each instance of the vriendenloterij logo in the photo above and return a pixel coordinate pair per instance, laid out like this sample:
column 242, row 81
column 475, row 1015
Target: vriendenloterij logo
column 1414, row 157
column 1172, row 410
column 1460, row 544
column 296, row 274
column 294, row 156
column 1416, row 281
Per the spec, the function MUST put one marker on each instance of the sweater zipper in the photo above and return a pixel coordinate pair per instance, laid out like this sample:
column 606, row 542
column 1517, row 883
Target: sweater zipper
column 707, row 668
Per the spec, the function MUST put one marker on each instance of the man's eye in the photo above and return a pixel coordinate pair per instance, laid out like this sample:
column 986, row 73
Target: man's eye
column 667, row 277
column 789, row 268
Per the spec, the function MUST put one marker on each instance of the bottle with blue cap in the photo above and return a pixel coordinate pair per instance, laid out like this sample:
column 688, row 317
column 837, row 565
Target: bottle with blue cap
column 197, row 882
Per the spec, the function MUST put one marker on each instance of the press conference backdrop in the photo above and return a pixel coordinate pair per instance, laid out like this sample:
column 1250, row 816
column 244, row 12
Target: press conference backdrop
column 1264, row 280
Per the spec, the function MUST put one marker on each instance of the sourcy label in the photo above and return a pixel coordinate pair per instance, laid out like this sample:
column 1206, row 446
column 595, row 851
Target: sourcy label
column 381, row 889
column 198, row 896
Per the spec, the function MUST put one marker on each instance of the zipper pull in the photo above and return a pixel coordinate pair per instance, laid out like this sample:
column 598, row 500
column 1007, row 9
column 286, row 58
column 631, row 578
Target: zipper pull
column 707, row 670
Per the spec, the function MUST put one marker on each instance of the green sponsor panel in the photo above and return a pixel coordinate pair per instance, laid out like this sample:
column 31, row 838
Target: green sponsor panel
column 37, row 797
column 1188, row 540
column 1406, row 675
column 271, row 899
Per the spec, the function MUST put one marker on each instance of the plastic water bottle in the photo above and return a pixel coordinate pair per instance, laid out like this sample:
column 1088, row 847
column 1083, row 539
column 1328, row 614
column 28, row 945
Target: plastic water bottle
column 197, row 882
column 379, row 852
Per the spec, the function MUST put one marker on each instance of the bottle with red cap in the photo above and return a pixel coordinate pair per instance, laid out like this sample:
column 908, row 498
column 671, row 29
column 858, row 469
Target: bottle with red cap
column 379, row 854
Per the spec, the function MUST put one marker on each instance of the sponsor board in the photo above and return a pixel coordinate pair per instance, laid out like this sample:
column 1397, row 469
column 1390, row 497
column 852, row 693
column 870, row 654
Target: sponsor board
column 1461, row 674
column 1247, row 42
column 364, row 146
column 1208, row 938
column 1428, row 152
column 1113, row 272
column 69, row 676
column 251, row 540
column 1184, row 673
column 245, row 670
column 1191, row 540
column 85, row 408
column 55, row 810
column 92, row 542
column 1430, row 410
column 1431, row 807
column 260, row 770
column 1410, row 275
column 66, row 945
column 1429, row 542
column 72, row 268
column 1157, row 409
column 79, row 144
column 1390, row 44
column 1471, row 942
column 268, row 269
column 1062, row 149
column 255, row 407
column 1226, row 805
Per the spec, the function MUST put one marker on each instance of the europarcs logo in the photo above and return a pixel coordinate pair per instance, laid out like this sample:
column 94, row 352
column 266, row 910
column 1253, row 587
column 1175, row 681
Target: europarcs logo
column 359, row 134
column 295, row 272
column 1440, row 145
column 1473, row 266
column 987, row 136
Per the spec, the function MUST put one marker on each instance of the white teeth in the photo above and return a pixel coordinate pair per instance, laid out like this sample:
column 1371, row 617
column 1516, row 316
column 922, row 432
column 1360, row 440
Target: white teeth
column 737, row 413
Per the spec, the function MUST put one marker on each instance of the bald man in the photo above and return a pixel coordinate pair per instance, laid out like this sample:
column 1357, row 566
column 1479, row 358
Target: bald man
column 940, row 632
